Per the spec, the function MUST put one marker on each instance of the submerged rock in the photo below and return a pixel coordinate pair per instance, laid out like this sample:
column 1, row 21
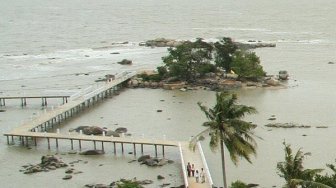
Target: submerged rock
column 92, row 152
column 125, row 62
column 67, row 177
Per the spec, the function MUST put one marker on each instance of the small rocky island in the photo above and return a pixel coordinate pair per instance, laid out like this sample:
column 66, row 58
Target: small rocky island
column 221, row 65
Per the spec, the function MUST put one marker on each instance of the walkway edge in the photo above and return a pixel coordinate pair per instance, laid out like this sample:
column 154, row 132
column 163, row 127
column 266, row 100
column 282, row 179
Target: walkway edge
column 205, row 164
column 186, row 184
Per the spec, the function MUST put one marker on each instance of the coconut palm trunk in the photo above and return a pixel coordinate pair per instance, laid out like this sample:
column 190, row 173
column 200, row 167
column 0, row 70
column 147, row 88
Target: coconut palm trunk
column 223, row 163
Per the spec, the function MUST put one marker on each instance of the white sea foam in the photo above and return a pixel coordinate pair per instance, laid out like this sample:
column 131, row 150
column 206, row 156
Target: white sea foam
column 231, row 29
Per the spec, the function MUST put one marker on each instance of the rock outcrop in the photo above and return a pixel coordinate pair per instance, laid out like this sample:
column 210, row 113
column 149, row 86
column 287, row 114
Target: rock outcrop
column 153, row 161
column 48, row 162
column 162, row 42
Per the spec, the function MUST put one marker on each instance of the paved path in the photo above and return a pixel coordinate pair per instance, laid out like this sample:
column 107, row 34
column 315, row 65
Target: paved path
column 194, row 157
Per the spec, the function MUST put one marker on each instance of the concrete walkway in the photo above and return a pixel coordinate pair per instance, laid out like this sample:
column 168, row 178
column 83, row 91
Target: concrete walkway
column 195, row 157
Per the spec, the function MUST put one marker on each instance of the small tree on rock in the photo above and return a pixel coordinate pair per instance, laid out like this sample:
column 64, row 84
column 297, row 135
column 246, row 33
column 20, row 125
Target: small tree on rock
column 247, row 65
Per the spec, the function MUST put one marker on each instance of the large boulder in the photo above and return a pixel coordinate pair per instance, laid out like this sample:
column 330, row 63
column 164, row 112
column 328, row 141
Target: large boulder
column 93, row 130
column 78, row 129
column 143, row 158
column 151, row 162
column 112, row 133
column 121, row 130
column 48, row 159
column 229, row 84
column 162, row 162
column 272, row 82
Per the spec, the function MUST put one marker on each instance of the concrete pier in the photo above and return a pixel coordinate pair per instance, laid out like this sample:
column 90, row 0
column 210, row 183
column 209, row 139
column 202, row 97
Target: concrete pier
column 37, row 129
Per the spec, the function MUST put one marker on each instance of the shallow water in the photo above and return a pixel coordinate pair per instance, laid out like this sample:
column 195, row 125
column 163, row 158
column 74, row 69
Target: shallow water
column 61, row 47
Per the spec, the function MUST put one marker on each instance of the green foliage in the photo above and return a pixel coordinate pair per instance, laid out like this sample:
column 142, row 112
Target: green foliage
column 247, row 65
column 191, row 59
column 206, row 68
column 128, row 184
column 225, row 49
column 294, row 173
column 328, row 179
column 151, row 77
column 184, row 60
column 238, row 184
column 163, row 72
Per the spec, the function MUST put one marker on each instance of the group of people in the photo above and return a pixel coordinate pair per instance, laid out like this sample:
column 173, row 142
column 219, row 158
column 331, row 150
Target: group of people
column 199, row 175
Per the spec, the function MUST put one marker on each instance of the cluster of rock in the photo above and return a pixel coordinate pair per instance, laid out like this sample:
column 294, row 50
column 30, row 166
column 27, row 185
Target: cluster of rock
column 250, row 185
column 153, row 161
column 121, row 182
column 137, row 82
column 286, row 125
column 48, row 162
column 95, row 130
column 69, row 172
column 161, row 42
column 219, row 84
column 213, row 81
column 251, row 44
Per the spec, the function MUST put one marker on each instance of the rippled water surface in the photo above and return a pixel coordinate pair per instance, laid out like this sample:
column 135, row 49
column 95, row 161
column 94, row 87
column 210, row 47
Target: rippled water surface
column 62, row 47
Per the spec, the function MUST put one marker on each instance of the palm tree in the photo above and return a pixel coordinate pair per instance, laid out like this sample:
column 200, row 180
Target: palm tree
column 225, row 127
column 293, row 172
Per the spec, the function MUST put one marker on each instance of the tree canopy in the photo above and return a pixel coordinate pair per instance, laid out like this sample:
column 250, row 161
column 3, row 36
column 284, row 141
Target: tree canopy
column 194, row 59
column 185, row 60
column 247, row 65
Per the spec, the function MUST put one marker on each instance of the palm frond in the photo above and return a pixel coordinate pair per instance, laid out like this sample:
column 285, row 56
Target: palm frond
column 310, row 184
column 193, row 141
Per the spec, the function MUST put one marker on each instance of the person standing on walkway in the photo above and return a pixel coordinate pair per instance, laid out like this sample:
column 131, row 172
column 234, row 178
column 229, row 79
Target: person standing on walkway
column 197, row 176
column 193, row 170
column 202, row 174
column 188, row 169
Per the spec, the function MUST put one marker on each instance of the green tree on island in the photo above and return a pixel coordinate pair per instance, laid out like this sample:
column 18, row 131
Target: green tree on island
column 225, row 127
column 194, row 59
column 247, row 65
column 294, row 173
column 186, row 59
column 225, row 49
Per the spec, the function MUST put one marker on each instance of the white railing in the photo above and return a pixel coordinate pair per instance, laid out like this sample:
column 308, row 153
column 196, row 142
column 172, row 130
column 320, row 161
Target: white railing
column 183, row 167
column 205, row 164
column 81, row 93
